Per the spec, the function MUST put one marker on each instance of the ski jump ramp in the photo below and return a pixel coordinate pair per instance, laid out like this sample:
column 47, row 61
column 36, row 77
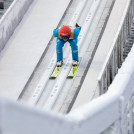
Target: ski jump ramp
column 94, row 117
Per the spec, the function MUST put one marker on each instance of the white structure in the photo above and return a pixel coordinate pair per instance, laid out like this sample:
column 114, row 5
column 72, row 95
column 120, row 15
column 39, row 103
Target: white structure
column 14, row 14
column 110, row 113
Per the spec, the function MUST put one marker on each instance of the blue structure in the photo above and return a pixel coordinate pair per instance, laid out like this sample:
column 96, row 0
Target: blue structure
column 73, row 39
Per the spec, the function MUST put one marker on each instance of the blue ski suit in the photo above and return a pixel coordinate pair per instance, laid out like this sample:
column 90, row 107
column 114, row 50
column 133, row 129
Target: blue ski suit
column 73, row 39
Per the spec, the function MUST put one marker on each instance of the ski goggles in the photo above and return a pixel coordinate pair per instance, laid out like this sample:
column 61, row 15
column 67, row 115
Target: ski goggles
column 64, row 37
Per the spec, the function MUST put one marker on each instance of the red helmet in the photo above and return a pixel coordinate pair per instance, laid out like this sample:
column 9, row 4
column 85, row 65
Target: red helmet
column 65, row 30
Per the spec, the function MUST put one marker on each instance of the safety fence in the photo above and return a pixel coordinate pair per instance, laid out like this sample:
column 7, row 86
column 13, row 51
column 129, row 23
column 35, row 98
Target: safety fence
column 11, row 19
column 115, row 56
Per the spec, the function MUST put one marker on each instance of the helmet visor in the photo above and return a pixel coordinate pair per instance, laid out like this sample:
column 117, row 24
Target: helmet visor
column 64, row 37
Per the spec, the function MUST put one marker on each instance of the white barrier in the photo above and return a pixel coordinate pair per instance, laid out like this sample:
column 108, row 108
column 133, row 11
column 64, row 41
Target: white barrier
column 11, row 19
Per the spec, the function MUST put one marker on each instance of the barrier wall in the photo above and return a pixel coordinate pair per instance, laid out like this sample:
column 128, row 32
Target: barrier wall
column 11, row 19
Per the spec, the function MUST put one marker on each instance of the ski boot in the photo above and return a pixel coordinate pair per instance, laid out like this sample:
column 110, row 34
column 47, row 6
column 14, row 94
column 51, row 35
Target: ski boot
column 75, row 63
column 59, row 63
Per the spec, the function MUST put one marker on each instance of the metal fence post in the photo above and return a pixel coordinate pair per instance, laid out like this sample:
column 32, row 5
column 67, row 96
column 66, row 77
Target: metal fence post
column 1, row 4
column 123, row 127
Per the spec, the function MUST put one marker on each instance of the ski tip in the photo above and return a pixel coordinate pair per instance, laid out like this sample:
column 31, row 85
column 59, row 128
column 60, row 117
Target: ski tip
column 70, row 77
column 52, row 77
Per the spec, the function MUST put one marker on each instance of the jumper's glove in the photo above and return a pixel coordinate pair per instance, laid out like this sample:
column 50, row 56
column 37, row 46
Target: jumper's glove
column 77, row 25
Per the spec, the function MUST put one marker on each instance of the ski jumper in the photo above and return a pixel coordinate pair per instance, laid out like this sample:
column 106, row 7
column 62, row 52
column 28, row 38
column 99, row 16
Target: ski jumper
column 73, row 39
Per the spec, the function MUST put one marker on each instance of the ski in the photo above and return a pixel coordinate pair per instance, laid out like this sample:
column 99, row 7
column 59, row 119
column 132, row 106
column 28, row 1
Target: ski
column 72, row 71
column 55, row 72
